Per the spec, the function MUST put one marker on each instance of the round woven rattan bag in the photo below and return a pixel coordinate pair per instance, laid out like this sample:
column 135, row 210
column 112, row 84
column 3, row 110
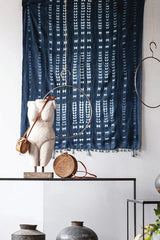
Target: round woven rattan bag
column 65, row 165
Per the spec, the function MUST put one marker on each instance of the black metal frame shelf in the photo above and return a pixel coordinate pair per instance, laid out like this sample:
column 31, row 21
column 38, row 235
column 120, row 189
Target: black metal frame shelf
column 133, row 180
column 143, row 203
column 73, row 179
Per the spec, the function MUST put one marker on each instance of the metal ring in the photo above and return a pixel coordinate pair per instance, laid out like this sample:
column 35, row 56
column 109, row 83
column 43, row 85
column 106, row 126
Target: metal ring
column 135, row 81
column 89, row 104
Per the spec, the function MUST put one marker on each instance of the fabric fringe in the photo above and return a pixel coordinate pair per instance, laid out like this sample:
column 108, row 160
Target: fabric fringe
column 133, row 152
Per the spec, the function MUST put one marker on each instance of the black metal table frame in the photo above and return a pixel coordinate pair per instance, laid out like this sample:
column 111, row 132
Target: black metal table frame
column 134, row 201
column 86, row 179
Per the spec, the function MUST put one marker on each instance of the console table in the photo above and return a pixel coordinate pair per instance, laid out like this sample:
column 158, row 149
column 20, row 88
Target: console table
column 131, row 180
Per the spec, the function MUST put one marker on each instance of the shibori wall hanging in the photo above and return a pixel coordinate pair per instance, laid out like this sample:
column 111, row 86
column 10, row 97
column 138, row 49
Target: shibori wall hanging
column 104, row 42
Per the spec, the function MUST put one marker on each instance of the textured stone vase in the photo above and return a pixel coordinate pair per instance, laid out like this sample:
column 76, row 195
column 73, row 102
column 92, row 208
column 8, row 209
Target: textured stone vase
column 28, row 232
column 77, row 232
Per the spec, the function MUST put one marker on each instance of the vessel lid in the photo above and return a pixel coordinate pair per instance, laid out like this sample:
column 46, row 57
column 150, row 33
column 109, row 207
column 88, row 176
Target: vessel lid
column 28, row 226
column 77, row 223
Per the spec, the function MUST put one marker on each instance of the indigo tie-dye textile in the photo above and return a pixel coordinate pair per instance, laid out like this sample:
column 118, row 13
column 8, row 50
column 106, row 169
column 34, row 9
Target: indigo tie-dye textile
column 104, row 43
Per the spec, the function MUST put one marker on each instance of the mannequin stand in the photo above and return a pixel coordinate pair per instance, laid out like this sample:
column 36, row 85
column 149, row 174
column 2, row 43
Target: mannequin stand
column 36, row 174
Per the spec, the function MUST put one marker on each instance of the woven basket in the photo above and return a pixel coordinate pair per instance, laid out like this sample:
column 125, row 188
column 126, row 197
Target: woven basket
column 65, row 165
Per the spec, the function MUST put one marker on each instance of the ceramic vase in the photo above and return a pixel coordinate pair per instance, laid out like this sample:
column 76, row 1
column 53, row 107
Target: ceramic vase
column 28, row 232
column 77, row 232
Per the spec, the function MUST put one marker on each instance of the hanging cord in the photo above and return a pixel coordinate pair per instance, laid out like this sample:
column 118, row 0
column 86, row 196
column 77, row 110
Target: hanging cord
column 65, row 45
column 152, row 20
column 65, row 34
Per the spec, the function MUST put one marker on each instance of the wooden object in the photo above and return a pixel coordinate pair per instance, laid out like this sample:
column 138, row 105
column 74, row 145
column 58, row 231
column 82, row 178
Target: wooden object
column 65, row 165
column 22, row 145
column 38, row 174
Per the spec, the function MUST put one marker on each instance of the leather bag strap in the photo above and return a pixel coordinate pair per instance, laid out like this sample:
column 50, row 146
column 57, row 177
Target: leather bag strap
column 85, row 172
column 38, row 116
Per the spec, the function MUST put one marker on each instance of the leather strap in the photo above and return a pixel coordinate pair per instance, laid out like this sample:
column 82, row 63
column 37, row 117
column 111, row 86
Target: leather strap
column 39, row 114
column 85, row 172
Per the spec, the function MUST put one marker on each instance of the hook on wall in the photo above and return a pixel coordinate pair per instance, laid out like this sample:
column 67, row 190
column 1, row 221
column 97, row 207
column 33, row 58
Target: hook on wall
column 150, row 47
column 65, row 70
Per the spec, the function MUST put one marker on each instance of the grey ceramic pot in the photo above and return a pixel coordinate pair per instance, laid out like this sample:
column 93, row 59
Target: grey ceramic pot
column 28, row 232
column 77, row 232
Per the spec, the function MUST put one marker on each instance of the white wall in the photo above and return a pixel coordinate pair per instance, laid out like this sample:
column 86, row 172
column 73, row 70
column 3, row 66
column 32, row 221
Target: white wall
column 145, row 167
column 19, row 202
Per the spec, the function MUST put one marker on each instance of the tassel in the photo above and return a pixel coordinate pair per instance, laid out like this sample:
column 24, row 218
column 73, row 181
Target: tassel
column 134, row 153
column 53, row 154
column 73, row 152
column 89, row 152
